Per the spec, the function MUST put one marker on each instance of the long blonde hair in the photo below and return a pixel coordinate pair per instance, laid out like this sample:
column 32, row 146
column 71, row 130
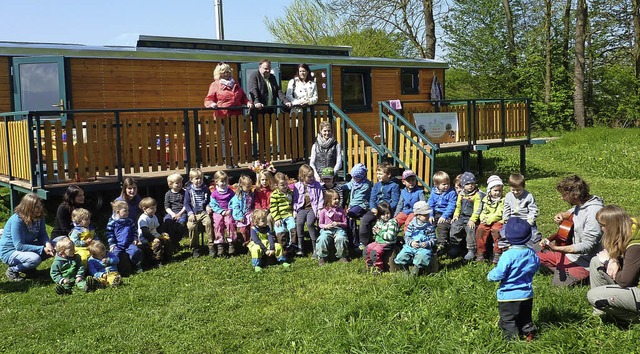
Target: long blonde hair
column 618, row 229
column 29, row 207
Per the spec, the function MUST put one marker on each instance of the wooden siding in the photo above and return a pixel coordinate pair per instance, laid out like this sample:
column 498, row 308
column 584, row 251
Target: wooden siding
column 385, row 85
column 124, row 83
column 5, row 84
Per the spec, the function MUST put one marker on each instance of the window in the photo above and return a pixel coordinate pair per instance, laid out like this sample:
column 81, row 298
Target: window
column 409, row 81
column 356, row 90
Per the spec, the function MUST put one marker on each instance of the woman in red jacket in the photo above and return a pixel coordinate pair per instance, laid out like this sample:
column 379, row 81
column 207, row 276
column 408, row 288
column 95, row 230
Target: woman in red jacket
column 224, row 92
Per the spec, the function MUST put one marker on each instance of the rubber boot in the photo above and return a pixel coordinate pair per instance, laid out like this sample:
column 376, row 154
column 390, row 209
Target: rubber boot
column 220, row 250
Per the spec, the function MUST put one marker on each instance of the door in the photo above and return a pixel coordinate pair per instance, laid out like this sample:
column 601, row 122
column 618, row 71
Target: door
column 322, row 75
column 39, row 85
column 249, row 68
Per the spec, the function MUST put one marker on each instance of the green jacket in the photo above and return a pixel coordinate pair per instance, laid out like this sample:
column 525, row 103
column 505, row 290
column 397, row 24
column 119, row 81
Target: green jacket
column 281, row 205
column 66, row 268
column 387, row 231
column 491, row 210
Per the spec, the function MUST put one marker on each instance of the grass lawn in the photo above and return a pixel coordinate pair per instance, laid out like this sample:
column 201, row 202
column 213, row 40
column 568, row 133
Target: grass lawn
column 221, row 306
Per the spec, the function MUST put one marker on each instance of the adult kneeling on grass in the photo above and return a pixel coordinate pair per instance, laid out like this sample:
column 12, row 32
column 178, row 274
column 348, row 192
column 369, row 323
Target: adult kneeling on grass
column 614, row 272
column 25, row 243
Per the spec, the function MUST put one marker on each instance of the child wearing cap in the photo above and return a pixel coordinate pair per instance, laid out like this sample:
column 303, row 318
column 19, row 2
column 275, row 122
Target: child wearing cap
column 387, row 189
column 515, row 271
column 410, row 194
column 490, row 219
column 442, row 202
column 359, row 191
column 419, row 240
column 520, row 203
column 328, row 183
column 465, row 217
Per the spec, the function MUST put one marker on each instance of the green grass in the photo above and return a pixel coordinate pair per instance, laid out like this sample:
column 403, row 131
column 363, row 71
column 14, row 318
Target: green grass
column 221, row 306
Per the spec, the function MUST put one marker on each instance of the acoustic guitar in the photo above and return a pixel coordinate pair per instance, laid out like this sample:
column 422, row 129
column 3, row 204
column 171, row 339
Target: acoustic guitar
column 564, row 235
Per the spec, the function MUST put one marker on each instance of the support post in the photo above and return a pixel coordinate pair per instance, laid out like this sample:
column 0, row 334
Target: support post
column 480, row 160
column 523, row 159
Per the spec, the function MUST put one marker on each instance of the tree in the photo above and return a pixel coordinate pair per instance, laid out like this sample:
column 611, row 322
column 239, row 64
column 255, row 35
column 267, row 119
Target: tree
column 412, row 19
column 311, row 22
column 578, row 78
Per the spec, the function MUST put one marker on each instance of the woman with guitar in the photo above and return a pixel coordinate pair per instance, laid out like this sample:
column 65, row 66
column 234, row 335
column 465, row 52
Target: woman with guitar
column 569, row 260
column 614, row 272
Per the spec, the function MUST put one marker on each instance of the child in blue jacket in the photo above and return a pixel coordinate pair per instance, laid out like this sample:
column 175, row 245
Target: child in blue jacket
column 241, row 206
column 121, row 235
column 419, row 240
column 410, row 194
column 442, row 202
column 515, row 271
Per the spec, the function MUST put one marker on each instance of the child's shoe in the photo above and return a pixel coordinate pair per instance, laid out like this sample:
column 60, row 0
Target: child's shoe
column 212, row 252
column 440, row 251
column 89, row 284
column 220, row 250
column 479, row 258
column 60, row 290
column 343, row 260
column 232, row 249
column 361, row 247
column 376, row 271
column 257, row 269
column 195, row 253
column 496, row 257
column 470, row 255
column 415, row 271
column 285, row 264
column 322, row 261
column 139, row 269
column 117, row 280
column 13, row 275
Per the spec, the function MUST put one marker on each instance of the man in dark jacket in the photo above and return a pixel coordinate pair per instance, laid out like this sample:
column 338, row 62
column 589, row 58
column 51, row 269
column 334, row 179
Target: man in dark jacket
column 264, row 89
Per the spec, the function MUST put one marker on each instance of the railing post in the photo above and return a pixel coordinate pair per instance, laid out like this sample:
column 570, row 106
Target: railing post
column 503, row 120
column 528, row 120
column 382, row 130
column 118, row 146
column 39, row 153
column 198, row 147
column 187, row 139
column 32, row 161
column 470, row 117
column 6, row 131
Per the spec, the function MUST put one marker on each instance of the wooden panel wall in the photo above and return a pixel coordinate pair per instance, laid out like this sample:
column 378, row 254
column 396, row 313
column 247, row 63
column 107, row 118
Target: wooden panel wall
column 385, row 83
column 124, row 83
column 5, row 95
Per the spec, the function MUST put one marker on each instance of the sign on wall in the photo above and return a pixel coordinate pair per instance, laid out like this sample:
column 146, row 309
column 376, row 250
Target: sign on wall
column 438, row 127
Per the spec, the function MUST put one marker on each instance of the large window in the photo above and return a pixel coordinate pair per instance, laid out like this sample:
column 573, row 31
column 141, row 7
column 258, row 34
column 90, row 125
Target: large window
column 410, row 81
column 356, row 90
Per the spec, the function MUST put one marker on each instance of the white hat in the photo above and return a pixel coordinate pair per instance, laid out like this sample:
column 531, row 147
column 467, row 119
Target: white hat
column 421, row 208
column 493, row 181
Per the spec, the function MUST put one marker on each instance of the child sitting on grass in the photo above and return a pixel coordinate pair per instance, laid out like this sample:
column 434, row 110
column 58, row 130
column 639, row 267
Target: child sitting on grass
column 515, row 271
column 222, row 217
column 67, row 269
column 490, row 219
column 241, row 206
column 82, row 233
column 332, row 222
column 520, row 203
column 263, row 242
column 175, row 221
column 153, row 244
column 281, row 211
column 308, row 200
column 103, row 265
column 385, row 231
column 465, row 217
column 122, row 238
column 419, row 240
column 442, row 202
column 409, row 195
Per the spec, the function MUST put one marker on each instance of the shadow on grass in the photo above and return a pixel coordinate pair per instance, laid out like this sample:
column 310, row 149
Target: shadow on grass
column 37, row 278
column 555, row 315
column 452, row 164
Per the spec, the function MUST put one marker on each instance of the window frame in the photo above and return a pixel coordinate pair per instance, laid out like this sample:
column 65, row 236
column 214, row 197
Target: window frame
column 367, row 87
column 415, row 73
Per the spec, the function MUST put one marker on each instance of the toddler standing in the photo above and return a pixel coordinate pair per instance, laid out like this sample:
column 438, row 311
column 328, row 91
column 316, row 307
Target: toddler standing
column 332, row 222
column 196, row 202
column 490, row 219
column 385, row 231
column 410, row 194
column 442, row 202
column 222, row 216
column 150, row 240
column 67, row 269
column 281, row 210
column 263, row 241
column 241, row 206
column 465, row 217
column 103, row 265
column 308, row 199
column 175, row 221
column 121, row 235
column 515, row 271
column 419, row 240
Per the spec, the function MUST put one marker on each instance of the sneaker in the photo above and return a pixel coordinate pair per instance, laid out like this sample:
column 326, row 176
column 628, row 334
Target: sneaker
column 117, row 280
column 361, row 247
column 479, row 258
column 139, row 270
column 195, row 253
column 415, row 271
column 286, row 264
column 232, row 249
column 441, row 250
column 496, row 258
column 60, row 290
column 257, row 269
column 343, row 260
column 376, row 271
column 212, row 252
column 14, row 276
column 321, row 262
column 471, row 254
column 89, row 284
column 299, row 253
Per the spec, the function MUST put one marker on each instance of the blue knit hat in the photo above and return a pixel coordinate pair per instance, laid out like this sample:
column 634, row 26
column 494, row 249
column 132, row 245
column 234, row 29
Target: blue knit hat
column 359, row 171
column 517, row 231
column 467, row 178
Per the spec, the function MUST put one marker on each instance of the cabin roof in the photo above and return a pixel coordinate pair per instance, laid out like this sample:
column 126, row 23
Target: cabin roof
column 193, row 49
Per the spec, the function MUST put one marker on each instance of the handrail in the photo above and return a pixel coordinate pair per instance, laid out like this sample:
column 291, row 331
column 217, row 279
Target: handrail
column 410, row 127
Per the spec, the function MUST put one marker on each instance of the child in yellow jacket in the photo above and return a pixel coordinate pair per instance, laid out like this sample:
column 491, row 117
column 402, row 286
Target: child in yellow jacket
column 490, row 219
column 465, row 217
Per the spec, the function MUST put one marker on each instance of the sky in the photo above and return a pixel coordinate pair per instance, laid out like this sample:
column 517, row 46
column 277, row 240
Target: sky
column 120, row 22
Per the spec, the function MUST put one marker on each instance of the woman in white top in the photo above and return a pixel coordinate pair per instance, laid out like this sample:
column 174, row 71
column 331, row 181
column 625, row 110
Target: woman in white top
column 302, row 90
